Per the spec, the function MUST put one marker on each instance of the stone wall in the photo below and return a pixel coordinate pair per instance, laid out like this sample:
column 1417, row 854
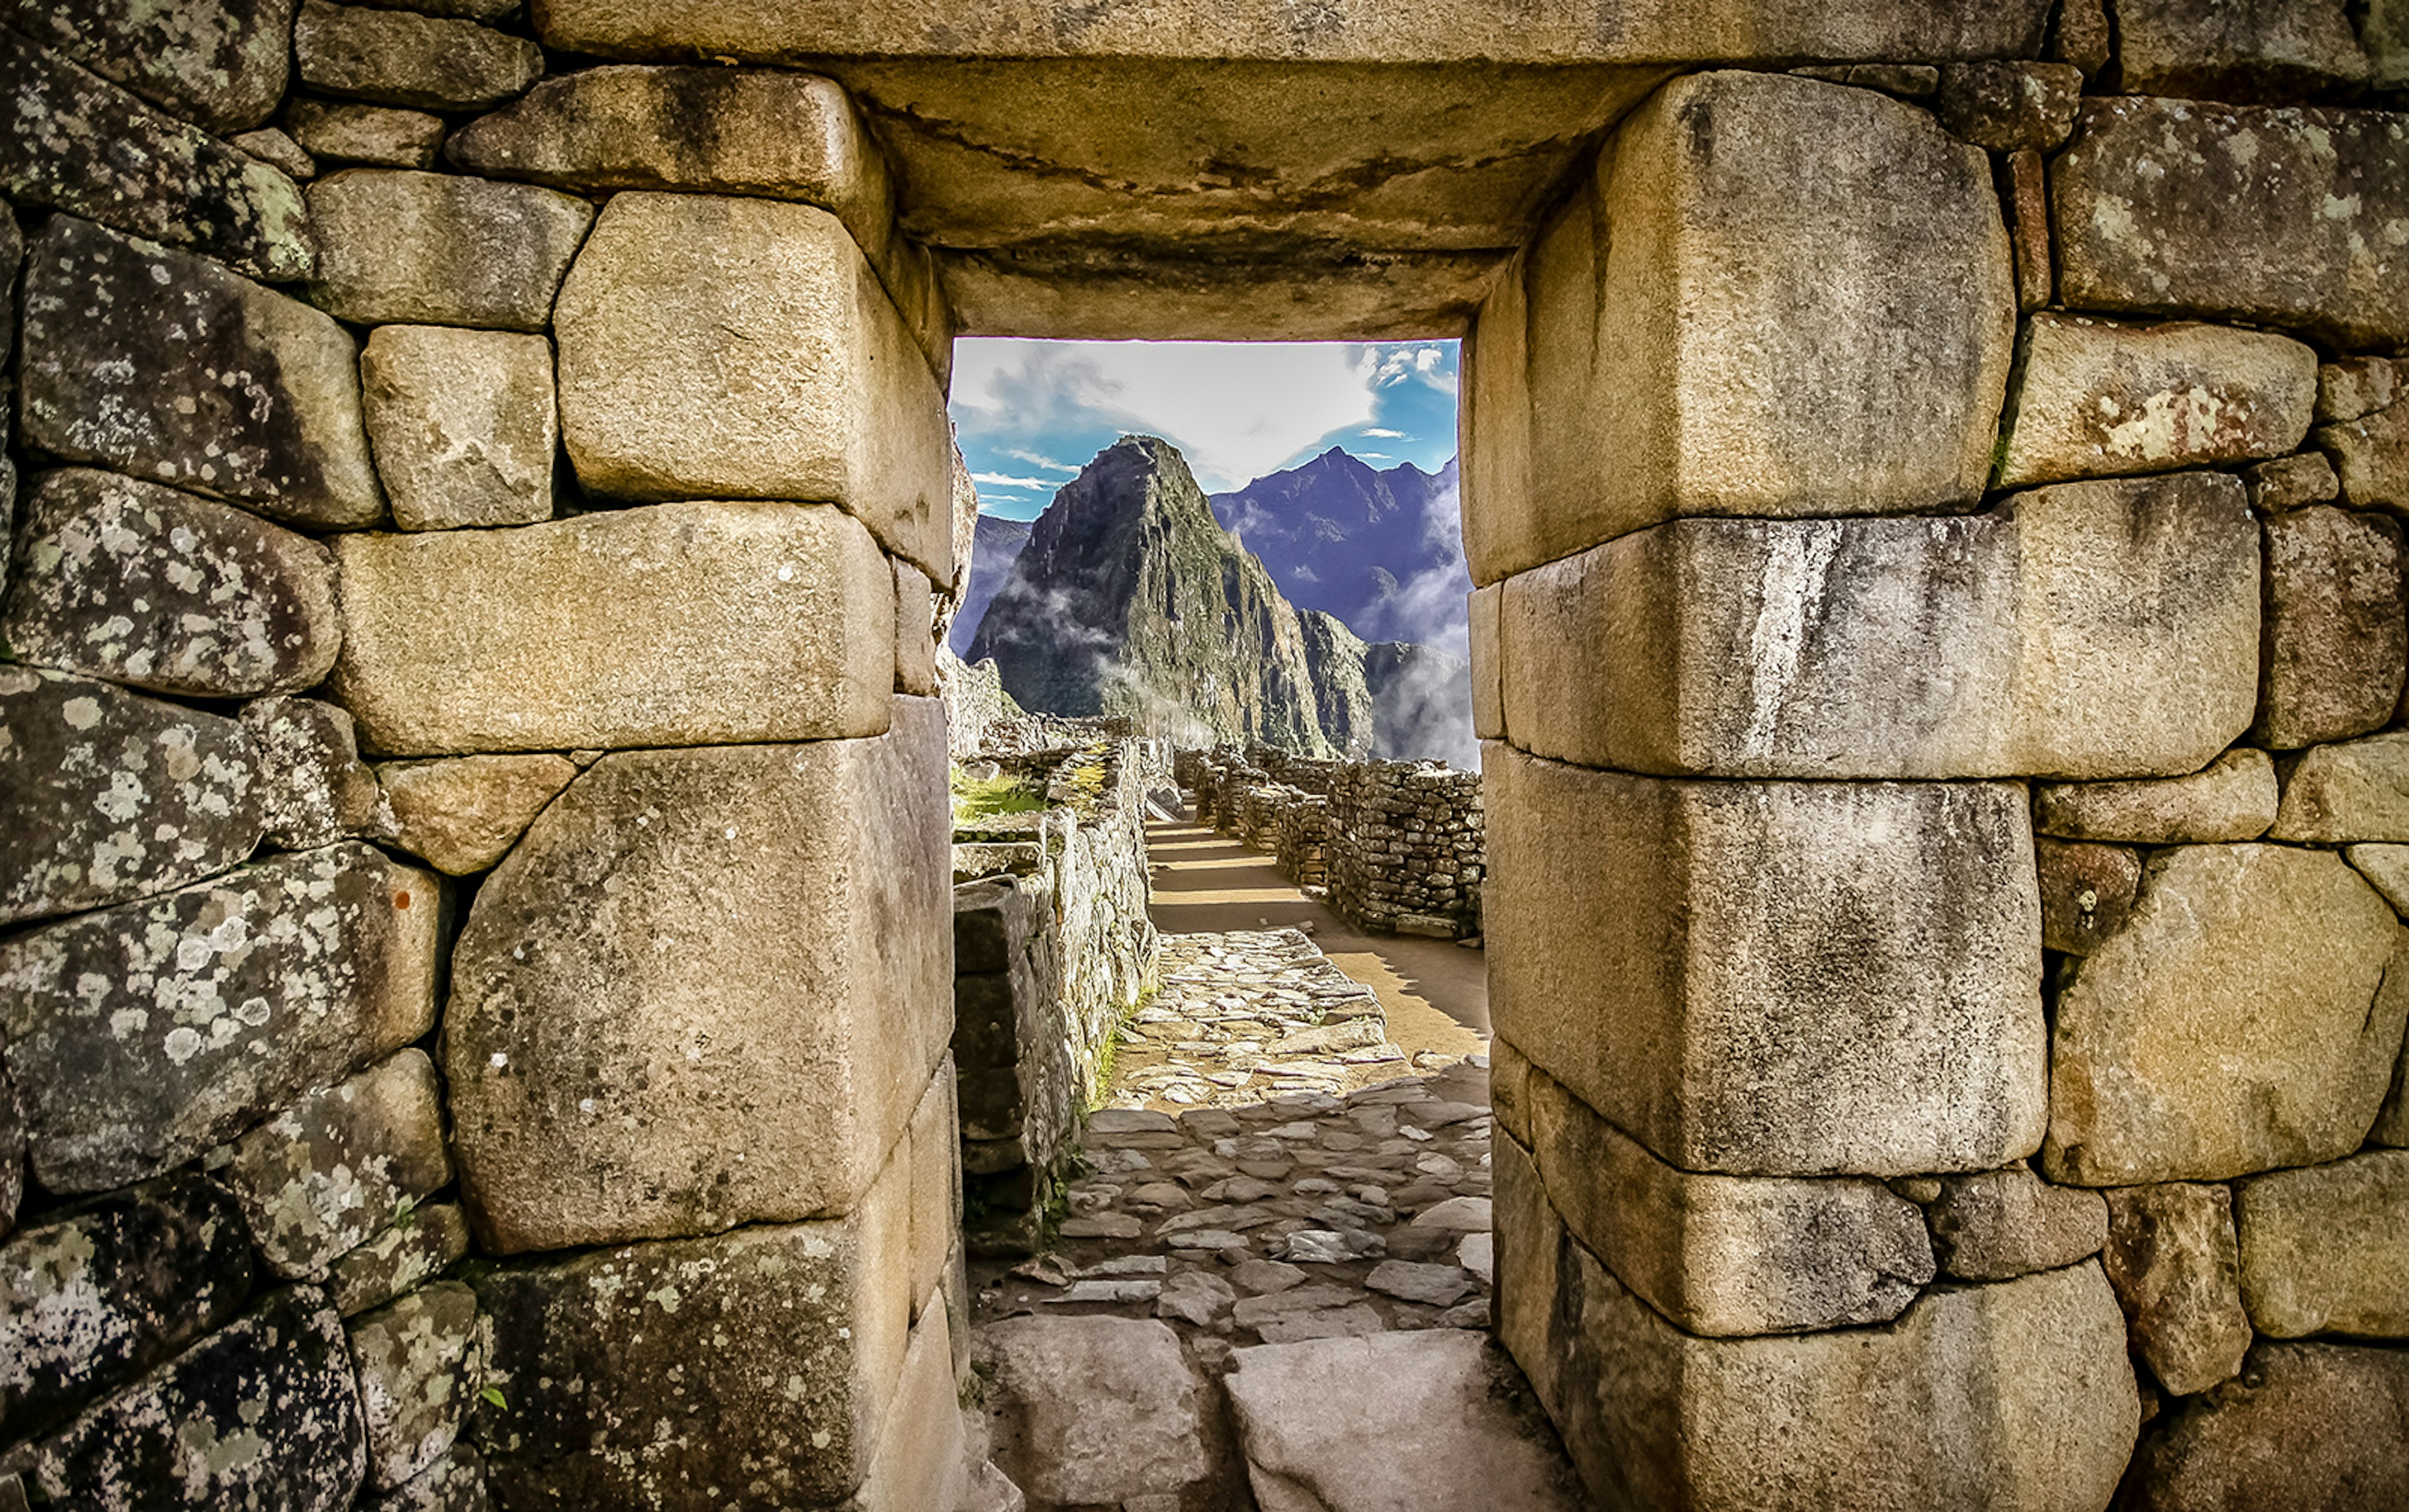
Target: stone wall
column 471, row 827
column 1945, row 776
column 1053, row 949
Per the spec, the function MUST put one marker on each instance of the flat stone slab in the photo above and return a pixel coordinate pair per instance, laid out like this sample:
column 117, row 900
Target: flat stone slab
column 1086, row 1410
column 1327, row 1420
column 219, row 63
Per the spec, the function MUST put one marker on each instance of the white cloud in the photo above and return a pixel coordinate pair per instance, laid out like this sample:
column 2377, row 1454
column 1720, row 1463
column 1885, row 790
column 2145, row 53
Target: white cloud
column 1039, row 459
column 1001, row 479
column 1237, row 409
column 1378, row 433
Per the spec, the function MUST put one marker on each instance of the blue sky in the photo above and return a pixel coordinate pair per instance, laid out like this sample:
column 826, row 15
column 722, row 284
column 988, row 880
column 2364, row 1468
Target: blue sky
column 1030, row 413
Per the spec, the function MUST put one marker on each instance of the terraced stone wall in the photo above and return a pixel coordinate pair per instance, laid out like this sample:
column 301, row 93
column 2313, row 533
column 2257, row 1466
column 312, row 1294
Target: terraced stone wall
column 475, row 993
column 1939, row 644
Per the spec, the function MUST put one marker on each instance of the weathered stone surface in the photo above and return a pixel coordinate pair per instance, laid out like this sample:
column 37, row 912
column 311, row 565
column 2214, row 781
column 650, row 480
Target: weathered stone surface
column 313, row 787
column 2322, row 1248
column 1726, row 1255
column 2097, row 399
column 2275, row 216
column 166, row 367
column 2308, row 1428
column 219, row 63
column 142, row 584
column 1906, row 81
column 2087, row 892
column 1591, row 411
column 916, row 632
column 2335, row 639
column 2079, row 34
column 436, row 249
column 462, row 423
column 936, row 1181
column 219, row 1004
column 334, row 1167
column 2276, row 51
column 2009, row 107
column 677, row 624
column 2290, row 482
column 12, row 1157
column 422, row 1243
column 2384, row 34
column 107, row 796
column 196, row 1424
column 665, row 1375
column 2027, row 199
column 392, row 57
column 772, row 938
column 1090, row 1409
column 2097, row 630
column 2171, row 1257
column 2386, row 869
column 2232, row 797
column 743, row 349
column 1321, row 1424
column 921, row 1458
column 280, row 152
column 92, row 1297
column 418, row 1368
column 84, row 146
column 2355, row 791
column 2228, row 1028
column 464, row 814
column 2356, row 386
column 2016, row 1394
column 1488, row 684
column 371, row 136
column 2371, row 456
column 455, row 1483
column 1910, row 1040
column 1995, row 1225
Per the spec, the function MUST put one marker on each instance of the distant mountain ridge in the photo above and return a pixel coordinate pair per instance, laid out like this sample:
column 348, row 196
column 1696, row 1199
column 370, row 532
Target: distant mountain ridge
column 996, row 543
column 1381, row 549
column 1130, row 597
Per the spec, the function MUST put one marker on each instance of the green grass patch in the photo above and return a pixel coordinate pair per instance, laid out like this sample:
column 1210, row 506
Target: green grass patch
column 977, row 799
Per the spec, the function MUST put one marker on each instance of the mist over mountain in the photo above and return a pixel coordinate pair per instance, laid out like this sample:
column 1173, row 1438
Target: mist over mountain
column 1381, row 551
column 995, row 545
column 1130, row 597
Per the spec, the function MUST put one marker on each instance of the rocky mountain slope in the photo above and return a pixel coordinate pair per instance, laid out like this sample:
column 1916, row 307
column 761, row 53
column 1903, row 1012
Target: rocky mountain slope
column 1131, row 598
column 995, row 545
column 1382, row 551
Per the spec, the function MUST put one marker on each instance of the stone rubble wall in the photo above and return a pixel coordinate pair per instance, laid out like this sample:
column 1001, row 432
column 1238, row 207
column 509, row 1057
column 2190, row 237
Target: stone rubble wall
column 1053, row 950
column 1946, row 939
column 471, row 846
column 1399, row 845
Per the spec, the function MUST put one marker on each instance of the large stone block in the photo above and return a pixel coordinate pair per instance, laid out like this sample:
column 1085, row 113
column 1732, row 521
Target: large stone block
column 313, row 787
column 2322, row 1249
column 1086, row 1410
column 436, row 249
column 81, row 145
column 675, row 1375
column 92, row 1297
column 678, row 624
column 464, row 814
column 2283, row 216
column 2370, row 458
column 1773, row 979
column 1726, row 1255
column 419, row 1367
column 1650, row 355
column 2335, row 629
column 219, row 63
column 2232, row 797
column 2097, row 399
column 166, row 366
column 2234, row 1025
column 394, row 57
column 142, row 584
column 2272, row 50
column 1996, row 1225
column 2100, row 630
column 2012, row 1395
column 685, row 944
column 2173, row 1261
column 717, row 130
column 262, row 1414
column 463, row 425
column 335, row 1167
column 743, row 349
column 2307, row 1428
column 107, row 796
column 141, row 1036
column 2358, row 790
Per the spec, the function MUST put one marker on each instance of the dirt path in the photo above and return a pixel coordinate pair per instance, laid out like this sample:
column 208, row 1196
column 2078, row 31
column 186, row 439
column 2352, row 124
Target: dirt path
column 1435, row 994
